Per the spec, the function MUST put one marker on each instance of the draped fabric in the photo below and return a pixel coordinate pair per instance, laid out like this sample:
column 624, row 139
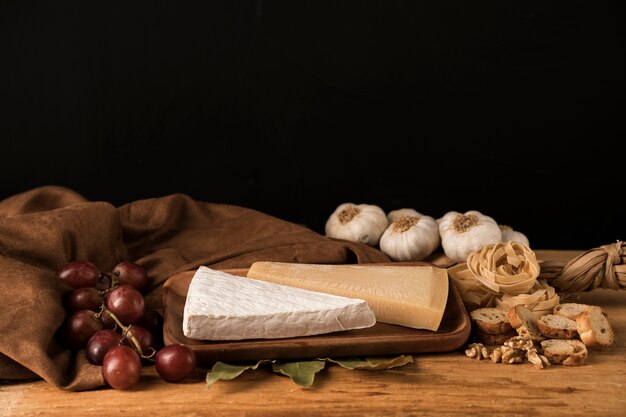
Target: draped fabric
column 44, row 228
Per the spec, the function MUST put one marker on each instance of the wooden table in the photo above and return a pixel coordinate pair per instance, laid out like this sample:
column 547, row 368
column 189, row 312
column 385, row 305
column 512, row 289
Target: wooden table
column 436, row 384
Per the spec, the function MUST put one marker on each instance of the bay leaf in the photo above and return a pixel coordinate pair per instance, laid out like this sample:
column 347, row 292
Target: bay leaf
column 301, row 373
column 372, row 363
column 226, row 372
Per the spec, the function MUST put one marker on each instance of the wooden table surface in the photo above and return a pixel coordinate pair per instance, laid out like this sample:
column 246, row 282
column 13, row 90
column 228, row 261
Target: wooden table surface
column 436, row 384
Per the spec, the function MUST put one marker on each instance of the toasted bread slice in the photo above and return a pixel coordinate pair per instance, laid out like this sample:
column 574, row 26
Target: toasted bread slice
column 571, row 310
column 594, row 329
column 557, row 327
column 490, row 321
column 523, row 320
column 569, row 352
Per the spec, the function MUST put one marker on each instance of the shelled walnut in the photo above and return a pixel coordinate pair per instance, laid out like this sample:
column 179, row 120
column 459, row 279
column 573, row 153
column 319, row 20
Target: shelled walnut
column 519, row 342
column 507, row 354
column 477, row 351
column 539, row 361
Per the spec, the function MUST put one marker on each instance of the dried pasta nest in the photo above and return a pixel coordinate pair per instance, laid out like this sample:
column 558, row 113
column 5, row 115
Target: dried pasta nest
column 541, row 300
column 473, row 293
column 499, row 273
column 505, row 267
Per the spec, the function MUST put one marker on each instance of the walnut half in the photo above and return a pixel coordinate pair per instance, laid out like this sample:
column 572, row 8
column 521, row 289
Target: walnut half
column 538, row 361
column 477, row 351
column 519, row 342
column 508, row 355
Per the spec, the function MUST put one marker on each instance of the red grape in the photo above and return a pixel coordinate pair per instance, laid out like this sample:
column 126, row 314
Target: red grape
column 79, row 327
column 104, row 282
column 175, row 362
column 86, row 298
column 152, row 321
column 79, row 274
column 126, row 303
column 144, row 337
column 130, row 273
column 100, row 343
column 121, row 367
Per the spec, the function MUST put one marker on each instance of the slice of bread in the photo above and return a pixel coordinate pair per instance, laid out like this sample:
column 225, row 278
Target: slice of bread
column 518, row 316
column 557, row 327
column 490, row 320
column 492, row 339
column 523, row 320
column 571, row 310
column 594, row 329
column 569, row 352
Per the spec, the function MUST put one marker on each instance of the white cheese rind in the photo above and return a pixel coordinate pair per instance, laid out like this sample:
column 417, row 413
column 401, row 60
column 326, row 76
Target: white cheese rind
column 410, row 296
column 222, row 306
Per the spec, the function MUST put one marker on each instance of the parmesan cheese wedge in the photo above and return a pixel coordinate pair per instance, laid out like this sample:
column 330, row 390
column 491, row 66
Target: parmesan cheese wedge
column 410, row 296
column 222, row 306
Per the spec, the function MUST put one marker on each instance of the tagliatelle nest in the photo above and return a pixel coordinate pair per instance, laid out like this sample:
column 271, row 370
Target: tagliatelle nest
column 473, row 293
column 497, row 273
column 541, row 300
column 505, row 267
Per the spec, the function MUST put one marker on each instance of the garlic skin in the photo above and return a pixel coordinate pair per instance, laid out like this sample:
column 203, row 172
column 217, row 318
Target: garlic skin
column 510, row 235
column 410, row 236
column 363, row 223
column 464, row 233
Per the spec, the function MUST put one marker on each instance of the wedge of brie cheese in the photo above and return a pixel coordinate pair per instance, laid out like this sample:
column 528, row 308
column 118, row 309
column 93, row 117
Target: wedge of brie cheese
column 222, row 306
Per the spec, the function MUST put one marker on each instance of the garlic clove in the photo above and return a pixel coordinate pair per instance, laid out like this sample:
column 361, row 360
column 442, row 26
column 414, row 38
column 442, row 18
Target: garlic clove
column 510, row 235
column 363, row 223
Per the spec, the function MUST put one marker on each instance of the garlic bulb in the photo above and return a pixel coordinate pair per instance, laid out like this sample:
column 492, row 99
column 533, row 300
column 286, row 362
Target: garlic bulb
column 357, row 222
column 510, row 235
column 462, row 234
column 411, row 236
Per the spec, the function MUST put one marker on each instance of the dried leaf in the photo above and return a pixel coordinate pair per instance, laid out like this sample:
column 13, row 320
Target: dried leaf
column 227, row 372
column 372, row 363
column 301, row 373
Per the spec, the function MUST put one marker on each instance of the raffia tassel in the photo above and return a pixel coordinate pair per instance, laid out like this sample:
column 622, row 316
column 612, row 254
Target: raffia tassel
column 603, row 267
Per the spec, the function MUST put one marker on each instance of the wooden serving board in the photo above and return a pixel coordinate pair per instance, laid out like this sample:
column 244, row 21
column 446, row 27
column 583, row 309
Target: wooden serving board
column 380, row 339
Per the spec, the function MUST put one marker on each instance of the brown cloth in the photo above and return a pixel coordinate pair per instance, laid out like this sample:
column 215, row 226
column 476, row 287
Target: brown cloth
column 44, row 228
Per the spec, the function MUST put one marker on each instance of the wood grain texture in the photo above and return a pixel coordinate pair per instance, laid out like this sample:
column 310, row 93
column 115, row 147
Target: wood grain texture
column 437, row 384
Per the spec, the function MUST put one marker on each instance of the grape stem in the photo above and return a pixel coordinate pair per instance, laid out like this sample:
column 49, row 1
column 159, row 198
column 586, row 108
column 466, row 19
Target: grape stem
column 114, row 282
column 126, row 330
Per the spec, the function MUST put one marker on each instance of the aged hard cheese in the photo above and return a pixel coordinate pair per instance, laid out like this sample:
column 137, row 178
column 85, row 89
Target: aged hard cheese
column 411, row 296
column 221, row 306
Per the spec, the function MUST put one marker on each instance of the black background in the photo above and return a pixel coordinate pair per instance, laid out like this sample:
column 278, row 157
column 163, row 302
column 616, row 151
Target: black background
column 291, row 108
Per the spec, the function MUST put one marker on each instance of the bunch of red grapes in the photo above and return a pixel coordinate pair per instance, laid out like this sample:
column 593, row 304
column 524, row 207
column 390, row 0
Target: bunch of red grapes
column 108, row 318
